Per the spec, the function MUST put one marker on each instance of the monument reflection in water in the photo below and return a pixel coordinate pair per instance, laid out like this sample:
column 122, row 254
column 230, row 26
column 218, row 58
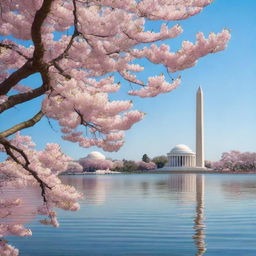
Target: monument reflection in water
column 189, row 188
column 199, row 218
column 192, row 188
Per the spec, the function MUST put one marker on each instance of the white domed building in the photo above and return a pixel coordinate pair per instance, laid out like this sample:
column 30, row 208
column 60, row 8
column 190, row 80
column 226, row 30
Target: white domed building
column 96, row 155
column 181, row 156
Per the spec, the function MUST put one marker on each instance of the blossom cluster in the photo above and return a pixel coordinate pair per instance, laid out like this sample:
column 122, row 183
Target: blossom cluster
column 236, row 161
column 90, row 164
column 47, row 165
column 146, row 166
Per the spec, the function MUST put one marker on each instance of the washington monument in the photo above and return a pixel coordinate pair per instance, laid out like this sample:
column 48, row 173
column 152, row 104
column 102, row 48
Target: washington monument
column 181, row 157
column 200, row 128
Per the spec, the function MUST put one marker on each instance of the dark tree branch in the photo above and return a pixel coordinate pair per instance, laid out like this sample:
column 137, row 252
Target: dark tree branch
column 22, row 97
column 31, row 122
column 36, row 34
column 75, row 17
column 26, row 70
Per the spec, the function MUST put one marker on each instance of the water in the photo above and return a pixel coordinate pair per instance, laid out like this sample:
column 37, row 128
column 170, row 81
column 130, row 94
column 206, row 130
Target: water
column 152, row 215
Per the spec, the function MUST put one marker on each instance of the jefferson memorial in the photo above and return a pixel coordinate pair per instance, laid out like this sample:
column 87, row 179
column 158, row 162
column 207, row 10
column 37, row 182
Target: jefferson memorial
column 181, row 157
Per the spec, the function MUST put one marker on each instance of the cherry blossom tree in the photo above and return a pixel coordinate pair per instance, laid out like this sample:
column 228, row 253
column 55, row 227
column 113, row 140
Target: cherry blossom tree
column 236, row 161
column 117, row 164
column 28, row 168
column 74, row 167
column 91, row 164
column 79, row 48
column 146, row 165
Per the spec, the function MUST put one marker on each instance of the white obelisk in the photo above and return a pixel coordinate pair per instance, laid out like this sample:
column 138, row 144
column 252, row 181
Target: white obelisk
column 200, row 128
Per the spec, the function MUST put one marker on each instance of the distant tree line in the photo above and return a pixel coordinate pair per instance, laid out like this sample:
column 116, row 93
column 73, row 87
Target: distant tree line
column 235, row 161
column 230, row 161
column 91, row 165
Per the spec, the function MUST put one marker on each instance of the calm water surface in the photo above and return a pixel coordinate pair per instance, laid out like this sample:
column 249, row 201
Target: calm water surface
column 152, row 214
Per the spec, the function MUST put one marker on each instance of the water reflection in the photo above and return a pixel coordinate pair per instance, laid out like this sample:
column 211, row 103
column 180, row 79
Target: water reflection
column 93, row 187
column 26, row 210
column 190, row 187
column 239, row 189
column 177, row 183
column 182, row 183
column 145, row 187
column 152, row 214
column 181, row 188
column 199, row 226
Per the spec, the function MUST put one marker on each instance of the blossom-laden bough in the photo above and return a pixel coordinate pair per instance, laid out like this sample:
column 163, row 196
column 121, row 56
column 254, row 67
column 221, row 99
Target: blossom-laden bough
column 79, row 48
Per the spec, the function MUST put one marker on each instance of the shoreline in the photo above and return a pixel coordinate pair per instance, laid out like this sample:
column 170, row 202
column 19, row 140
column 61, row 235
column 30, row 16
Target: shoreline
column 163, row 171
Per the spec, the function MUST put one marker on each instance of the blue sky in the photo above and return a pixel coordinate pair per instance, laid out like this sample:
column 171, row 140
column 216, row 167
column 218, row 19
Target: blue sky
column 228, row 80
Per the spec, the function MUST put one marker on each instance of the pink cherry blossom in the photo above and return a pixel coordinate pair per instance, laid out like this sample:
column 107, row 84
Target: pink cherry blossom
column 236, row 161
column 146, row 166
column 90, row 164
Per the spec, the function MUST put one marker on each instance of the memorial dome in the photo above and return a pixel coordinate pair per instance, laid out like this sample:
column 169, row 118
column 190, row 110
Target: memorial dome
column 181, row 149
column 181, row 156
column 96, row 155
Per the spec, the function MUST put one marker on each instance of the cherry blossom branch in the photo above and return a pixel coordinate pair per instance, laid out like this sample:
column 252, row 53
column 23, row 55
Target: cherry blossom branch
column 141, row 41
column 8, row 148
column 76, row 31
column 86, row 123
column 70, row 43
column 11, row 47
column 31, row 122
column 61, row 71
column 131, row 80
column 75, row 34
